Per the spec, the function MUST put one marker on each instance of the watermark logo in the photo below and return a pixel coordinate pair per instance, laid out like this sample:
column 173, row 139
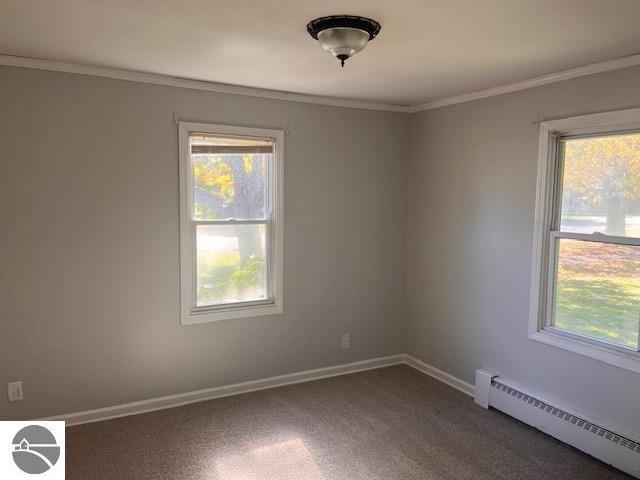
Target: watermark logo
column 32, row 450
column 35, row 449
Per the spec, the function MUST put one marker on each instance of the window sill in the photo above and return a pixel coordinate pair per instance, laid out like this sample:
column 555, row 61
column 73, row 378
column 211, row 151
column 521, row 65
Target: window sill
column 613, row 355
column 195, row 317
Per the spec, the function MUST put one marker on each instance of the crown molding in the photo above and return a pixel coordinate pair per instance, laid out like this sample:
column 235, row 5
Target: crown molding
column 166, row 80
column 169, row 81
column 590, row 69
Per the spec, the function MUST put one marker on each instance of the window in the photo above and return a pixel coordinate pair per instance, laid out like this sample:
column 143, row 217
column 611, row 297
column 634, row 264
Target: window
column 586, row 270
column 231, row 222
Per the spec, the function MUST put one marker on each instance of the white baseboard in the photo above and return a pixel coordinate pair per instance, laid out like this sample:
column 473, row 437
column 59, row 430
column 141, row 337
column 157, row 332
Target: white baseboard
column 438, row 374
column 170, row 401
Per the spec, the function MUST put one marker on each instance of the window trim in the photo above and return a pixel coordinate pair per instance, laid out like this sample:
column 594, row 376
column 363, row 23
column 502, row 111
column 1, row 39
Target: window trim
column 542, row 272
column 189, row 313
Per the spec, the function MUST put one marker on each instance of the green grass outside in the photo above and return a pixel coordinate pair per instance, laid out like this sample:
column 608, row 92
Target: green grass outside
column 598, row 291
column 606, row 309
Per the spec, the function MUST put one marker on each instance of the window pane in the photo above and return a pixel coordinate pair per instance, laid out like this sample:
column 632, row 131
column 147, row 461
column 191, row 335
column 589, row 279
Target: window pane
column 230, row 177
column 231, row 264
column 601, row 185
column 598, row 290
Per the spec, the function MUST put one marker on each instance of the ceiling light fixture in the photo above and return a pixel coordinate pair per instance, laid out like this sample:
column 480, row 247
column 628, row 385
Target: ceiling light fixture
column 343, row 35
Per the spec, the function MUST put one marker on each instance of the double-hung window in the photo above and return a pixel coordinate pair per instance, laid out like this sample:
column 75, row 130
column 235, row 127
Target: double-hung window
column 230, row 222
column 586, row 270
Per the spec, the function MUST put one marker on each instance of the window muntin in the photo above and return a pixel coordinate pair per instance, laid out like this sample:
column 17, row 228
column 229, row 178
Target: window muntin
column 231, row 227
column 594, row 253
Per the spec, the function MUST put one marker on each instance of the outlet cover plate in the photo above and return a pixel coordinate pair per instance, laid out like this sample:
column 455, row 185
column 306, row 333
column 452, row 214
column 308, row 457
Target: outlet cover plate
column 14, row 391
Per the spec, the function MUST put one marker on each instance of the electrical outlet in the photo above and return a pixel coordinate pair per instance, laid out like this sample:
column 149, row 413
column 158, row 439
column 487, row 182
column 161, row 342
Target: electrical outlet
column 345, row 340
column 14, row 391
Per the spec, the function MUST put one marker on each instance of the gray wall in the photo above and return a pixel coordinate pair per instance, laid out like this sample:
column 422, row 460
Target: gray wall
column 89, row 270
column 472, row 180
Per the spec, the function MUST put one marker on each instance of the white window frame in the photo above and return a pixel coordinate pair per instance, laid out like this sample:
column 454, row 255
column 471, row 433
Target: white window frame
column 543, row 274
column 189, row 312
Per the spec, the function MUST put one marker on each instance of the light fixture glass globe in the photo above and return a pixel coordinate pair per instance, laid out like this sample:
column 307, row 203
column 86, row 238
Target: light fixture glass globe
column 343, row 42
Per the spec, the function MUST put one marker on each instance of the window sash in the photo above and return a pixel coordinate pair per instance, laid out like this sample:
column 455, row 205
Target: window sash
column 558, row 144
column 554, row 238
column 269, row 191
column 596, row 237
column 231, row 221
column 224, row 306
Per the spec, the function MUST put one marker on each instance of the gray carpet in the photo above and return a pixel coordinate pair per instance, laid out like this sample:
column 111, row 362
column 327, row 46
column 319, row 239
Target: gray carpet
column 385, row 424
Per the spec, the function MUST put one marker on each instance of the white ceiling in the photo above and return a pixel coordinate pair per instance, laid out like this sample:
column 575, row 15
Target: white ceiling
column 427, row 49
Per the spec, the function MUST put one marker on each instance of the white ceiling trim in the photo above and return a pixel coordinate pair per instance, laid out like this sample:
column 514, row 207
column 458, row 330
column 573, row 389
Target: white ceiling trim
column 590, row 69
column 166, row 80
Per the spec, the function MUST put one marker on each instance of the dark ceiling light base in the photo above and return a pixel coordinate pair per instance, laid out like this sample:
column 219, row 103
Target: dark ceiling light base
column 343, row 35
column 343, row 21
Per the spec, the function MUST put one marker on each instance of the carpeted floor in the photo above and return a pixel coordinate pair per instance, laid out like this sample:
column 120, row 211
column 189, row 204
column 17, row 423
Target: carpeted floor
column 385, row 424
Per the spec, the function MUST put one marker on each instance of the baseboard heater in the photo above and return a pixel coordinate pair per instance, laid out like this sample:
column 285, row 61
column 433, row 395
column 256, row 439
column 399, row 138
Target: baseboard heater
column 614, row 448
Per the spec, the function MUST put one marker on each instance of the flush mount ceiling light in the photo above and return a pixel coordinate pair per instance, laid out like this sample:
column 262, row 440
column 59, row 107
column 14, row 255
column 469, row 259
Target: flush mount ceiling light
column 343, row 35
